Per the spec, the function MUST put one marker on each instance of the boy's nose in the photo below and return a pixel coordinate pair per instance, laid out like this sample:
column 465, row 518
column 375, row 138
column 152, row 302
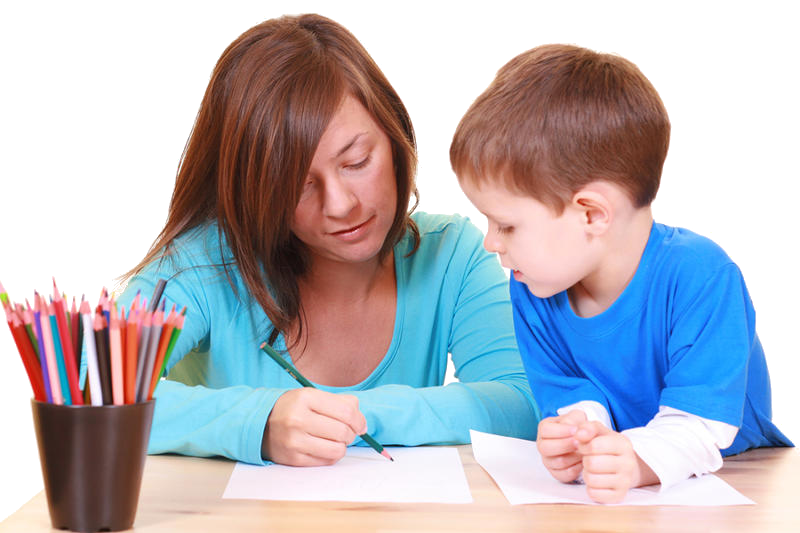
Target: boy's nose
column 492, row 243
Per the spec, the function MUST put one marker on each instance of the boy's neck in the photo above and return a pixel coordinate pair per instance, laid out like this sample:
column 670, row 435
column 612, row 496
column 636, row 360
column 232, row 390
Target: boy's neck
column 622, row 250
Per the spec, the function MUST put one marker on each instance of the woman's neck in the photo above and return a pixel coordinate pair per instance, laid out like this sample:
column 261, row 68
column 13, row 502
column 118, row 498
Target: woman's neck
column 336, row 281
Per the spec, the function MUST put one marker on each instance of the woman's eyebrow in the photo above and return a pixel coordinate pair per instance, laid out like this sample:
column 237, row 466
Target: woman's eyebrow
column 350, row 144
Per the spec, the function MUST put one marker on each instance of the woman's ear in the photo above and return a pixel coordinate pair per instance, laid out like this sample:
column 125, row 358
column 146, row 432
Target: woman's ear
column 595, row 210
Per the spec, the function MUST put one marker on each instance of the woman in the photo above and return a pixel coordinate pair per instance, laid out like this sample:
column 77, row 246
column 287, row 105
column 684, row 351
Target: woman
column 289, row 223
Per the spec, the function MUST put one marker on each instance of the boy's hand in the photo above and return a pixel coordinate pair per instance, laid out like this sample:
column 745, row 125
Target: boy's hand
column 557, row 446
column 610, row 465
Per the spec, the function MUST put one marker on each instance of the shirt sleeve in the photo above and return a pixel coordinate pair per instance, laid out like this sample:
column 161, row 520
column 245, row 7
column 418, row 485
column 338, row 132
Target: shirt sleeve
column 555, row 378
column 593, row 410
column 198, row 420
column 492, row 393
column 710, row 340
column 677, row 445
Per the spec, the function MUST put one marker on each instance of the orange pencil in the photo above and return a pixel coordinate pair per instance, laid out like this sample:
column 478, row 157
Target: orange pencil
column 115, row 341
column 131, row 355
column 163, row 342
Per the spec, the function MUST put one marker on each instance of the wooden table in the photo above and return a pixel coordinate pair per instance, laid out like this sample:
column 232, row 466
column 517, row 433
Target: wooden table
column 184, row 494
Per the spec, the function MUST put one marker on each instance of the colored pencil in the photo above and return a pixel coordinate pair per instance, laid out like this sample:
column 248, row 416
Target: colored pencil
column 117, row 384
column 131, row 356
column 3, row 297
column 144, row 343
column 29, row 360
column 27, row 319
column 92, row 370
column 64, row 341
column 163, row 342
column 152, row 348
column 50, row 351
column 59, row 353
column 75, row 331
column 157, row 292
column 366, row 437
column 173, row 339
column 103, row 363
column 42, row 357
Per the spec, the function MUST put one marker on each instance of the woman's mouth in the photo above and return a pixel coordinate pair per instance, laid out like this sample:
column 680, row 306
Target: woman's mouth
column 354, row 232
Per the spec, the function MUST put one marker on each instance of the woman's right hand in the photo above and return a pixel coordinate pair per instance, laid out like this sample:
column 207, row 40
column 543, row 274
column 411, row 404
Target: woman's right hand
column 310, row 427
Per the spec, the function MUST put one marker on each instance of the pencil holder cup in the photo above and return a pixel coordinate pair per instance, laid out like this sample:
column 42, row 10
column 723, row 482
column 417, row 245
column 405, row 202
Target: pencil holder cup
column 92, row 461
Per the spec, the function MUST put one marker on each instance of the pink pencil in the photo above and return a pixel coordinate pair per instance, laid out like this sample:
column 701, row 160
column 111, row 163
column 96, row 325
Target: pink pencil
column 50, row 352
column 115, row 339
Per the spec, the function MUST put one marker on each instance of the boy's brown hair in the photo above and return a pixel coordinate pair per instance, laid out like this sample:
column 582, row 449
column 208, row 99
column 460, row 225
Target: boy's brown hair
column 558, row 117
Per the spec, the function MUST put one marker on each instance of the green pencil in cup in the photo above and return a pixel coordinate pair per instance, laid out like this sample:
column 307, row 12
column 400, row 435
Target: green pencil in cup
column 270, row 351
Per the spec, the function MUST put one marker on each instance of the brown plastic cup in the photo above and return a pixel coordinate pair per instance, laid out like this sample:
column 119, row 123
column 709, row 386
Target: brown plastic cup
column 92, row 461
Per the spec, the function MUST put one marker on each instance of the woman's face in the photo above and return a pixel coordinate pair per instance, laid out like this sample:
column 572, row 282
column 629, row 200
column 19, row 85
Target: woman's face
column 348, row 202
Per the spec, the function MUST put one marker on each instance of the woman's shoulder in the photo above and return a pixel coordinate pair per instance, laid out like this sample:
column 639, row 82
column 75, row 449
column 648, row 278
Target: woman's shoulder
column 200, row 246
column 433, row 226
column 441, row 236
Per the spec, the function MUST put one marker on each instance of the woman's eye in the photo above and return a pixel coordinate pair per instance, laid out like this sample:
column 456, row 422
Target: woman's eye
column 359, row 164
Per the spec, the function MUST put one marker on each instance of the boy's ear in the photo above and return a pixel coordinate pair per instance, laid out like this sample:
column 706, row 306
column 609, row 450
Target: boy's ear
column 595, row 210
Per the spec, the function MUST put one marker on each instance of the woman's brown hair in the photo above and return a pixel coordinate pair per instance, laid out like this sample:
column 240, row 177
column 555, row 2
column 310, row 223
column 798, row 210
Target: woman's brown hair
column 271, row 95
column 558, row 117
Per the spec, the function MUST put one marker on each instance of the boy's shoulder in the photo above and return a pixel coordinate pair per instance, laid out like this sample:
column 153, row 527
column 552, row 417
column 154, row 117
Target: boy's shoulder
column 685, row 250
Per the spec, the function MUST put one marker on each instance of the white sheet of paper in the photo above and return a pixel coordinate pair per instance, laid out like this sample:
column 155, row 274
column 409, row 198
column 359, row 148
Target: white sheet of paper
column 517, row 468
column 420, row 474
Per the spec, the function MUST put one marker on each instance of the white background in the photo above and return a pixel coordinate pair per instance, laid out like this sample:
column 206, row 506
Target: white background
column 97, row 101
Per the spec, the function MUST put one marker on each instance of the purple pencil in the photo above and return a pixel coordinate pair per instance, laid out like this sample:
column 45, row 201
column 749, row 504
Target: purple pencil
column 42, row 359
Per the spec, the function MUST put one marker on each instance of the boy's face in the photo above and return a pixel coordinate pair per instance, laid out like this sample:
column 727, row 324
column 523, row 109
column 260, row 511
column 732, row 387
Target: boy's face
column 549, row 253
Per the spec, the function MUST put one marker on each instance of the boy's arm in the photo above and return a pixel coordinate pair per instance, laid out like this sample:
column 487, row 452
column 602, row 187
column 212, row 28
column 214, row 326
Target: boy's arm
column 677, row 445
column 594, row 411
column 556, row 382
column 710, row 348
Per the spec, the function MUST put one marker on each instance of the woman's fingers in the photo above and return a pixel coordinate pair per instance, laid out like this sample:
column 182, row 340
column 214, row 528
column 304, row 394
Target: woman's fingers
column 310, row 427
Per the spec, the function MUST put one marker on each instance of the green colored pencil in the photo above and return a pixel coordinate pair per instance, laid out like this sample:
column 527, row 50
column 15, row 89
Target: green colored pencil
column 270, row 351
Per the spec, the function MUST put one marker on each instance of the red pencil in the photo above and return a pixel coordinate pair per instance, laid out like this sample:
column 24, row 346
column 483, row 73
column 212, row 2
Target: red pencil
column 67, row 347
column 75, row 328
column 26, row 352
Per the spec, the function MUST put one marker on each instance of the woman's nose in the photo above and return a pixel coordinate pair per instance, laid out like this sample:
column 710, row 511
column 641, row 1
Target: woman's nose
column 339, row 198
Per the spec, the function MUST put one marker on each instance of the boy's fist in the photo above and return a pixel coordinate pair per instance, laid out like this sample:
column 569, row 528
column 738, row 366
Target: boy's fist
column 557, row 445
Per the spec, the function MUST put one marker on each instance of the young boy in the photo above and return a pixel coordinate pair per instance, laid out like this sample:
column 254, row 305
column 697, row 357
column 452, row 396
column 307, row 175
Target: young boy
column 638, row 338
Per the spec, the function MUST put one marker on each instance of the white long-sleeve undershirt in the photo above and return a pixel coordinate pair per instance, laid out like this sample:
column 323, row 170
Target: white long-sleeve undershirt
column 674, row 444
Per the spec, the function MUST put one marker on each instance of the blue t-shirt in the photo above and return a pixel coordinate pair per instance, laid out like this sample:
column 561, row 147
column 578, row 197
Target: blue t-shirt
column 452, row 297
column 682, row 334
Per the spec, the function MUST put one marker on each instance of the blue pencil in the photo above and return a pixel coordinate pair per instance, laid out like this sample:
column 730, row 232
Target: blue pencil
column 62, row 367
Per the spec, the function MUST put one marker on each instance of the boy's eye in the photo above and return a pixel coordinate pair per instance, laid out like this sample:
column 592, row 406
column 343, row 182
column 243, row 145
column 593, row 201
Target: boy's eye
column 503, row 230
